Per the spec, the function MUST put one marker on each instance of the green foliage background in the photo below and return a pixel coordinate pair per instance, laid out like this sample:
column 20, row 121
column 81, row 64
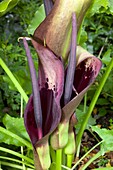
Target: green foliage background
column 12, row 26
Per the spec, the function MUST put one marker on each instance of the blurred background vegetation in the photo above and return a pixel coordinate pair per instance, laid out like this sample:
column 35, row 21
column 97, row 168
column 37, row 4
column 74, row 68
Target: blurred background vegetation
column 12, row 26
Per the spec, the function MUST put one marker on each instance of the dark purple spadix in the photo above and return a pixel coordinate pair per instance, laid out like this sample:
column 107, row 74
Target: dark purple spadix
column 72, row 62
column 35, row 89
column 48, row 4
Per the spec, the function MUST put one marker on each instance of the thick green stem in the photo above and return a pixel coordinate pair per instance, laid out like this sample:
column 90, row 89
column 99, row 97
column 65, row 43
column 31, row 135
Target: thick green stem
column 93, row 102
column 69, row 160
column 52, row 152
column 58, row 159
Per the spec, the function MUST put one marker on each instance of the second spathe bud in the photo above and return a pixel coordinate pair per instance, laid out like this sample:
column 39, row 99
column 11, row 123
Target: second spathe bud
column 86, row 72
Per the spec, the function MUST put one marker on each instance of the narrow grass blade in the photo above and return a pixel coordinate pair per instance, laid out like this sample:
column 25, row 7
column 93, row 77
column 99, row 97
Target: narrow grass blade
column 13, row 79
column 16, row 160
column 16, row 154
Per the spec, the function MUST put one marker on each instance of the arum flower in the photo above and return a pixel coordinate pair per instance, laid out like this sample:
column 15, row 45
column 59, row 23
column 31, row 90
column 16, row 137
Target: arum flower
column 57, row 90
column 43, row 112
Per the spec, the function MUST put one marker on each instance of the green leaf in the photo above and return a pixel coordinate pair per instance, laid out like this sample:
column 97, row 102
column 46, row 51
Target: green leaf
column 107, row 136
column 106, row 58
column 80, row 117
column 38, row 18
column 102, row 101
column 22, row 77
column 108, row 88
column 13, row 79
column 7, row 5
column 83, row 37
column 16, row 126
column 96, row 5
column 111, row 6
column 102, row 111
column 18, row 140
column 10, row 83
